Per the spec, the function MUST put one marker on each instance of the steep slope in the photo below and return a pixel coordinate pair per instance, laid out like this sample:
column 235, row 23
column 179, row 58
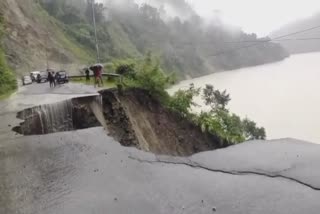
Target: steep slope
column 31, row 32
column 135, row 118
column 301, row 43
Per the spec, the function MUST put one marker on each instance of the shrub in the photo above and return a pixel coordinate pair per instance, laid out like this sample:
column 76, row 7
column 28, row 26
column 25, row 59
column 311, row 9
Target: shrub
column 126, row 68
column 253, row 132
column 215, row 98
column 223, row 124
column 182, row 100
column 146, row 74
column 218, row 120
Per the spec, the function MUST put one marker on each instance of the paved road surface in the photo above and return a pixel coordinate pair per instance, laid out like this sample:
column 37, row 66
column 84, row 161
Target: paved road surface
column 88, row 172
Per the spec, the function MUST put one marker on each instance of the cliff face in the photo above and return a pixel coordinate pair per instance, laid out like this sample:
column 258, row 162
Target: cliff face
column 137, row 119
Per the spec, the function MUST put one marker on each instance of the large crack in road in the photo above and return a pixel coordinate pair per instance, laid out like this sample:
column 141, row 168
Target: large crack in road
column 192, row 164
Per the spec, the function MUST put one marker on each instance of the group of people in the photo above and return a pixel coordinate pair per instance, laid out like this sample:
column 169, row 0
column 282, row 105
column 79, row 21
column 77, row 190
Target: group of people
column 97, row 74
column 96, row 69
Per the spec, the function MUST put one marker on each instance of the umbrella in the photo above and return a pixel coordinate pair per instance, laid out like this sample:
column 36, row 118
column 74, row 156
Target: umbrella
column 98, row 65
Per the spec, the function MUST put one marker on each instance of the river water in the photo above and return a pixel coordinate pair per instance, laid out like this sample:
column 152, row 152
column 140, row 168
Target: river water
column 283, row 97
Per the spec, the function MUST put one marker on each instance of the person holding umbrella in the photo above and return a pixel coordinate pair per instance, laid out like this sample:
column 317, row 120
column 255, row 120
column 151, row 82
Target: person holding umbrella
column 97, row 73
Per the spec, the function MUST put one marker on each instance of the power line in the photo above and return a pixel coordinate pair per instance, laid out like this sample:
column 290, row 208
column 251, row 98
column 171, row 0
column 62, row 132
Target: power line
column 247, row 41
column 269, row 40
column 236, row 49
column 259, row 43
column 297, row 39
column 297, row 32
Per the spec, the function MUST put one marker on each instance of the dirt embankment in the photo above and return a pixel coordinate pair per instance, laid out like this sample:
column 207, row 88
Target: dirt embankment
column 137, row 119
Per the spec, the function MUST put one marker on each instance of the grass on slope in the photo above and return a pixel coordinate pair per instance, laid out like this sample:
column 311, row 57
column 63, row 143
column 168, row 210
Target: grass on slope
column 8, row 81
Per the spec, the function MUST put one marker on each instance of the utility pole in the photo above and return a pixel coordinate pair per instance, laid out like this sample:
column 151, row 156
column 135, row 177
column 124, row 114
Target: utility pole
column 60, row 61
column 95, row 29
column 46, row 48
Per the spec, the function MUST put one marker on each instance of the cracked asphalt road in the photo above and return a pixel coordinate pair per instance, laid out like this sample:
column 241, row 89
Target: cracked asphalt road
column 88, row 172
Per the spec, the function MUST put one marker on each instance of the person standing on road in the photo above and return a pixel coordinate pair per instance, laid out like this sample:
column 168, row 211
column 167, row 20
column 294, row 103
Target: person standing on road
column 54, row 78
column 51, row 79
column 87, row 71
column 100, row 81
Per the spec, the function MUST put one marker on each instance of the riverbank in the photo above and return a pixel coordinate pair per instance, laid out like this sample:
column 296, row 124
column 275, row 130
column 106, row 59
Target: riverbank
column 282, row 97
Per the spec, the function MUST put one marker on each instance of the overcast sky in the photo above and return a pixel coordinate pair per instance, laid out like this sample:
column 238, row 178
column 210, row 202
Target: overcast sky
column 258, row 16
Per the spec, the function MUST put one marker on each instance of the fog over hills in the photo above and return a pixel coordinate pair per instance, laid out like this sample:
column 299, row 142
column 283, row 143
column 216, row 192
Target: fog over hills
column 185, row 43
column 303, row 42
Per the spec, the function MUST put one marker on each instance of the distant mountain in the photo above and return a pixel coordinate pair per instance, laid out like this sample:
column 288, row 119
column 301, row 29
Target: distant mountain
column 301, row 43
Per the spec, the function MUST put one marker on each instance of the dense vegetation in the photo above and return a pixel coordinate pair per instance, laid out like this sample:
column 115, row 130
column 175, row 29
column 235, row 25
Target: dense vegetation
column 185, row 43
column 147, row 74
column 7, row 79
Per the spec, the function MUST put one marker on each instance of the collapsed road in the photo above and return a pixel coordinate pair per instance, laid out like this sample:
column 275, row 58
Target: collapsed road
column 57, row 166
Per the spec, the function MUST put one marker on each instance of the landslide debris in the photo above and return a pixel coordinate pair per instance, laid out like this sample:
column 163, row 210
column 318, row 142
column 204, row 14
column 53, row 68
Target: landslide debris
column 137, row 119
column 134, row 118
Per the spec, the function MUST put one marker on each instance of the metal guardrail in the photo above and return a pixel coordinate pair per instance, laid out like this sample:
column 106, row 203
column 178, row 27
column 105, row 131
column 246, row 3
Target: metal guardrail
column 104, row 74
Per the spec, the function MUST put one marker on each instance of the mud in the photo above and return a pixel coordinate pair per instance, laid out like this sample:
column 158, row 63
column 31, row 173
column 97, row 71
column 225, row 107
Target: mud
column 133, row 118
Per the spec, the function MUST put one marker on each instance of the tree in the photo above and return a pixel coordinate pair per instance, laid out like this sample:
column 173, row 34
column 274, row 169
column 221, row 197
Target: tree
column 150, row 13
column 148, row 75
column 221, row 122
column 252, row 132
column 54, row 7
column 182, row 100
column 215, row 98
column 98, row 10
column 126, row 68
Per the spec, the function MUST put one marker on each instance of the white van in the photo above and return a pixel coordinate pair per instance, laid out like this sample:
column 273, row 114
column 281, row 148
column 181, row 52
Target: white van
column 34, row 75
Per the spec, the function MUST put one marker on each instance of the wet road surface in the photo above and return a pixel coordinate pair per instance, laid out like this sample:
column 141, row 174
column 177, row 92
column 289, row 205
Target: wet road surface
column 86, row 171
